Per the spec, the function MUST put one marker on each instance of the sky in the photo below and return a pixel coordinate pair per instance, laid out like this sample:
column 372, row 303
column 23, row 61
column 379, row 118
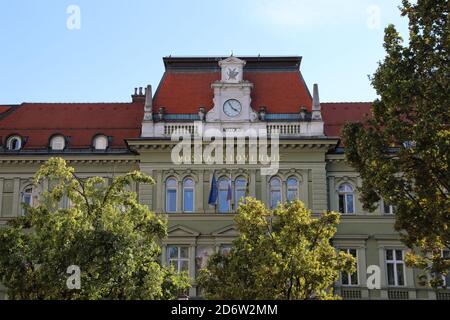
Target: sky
column 99, row 50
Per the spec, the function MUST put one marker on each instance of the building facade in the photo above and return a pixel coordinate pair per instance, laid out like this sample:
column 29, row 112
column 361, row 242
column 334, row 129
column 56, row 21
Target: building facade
column 264, row 100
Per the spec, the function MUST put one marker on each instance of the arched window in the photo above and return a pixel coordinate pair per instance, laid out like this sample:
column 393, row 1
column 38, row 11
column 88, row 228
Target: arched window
column 188, row 195
column 346, row 198
column 224, row 195
column 171, row 195
column 57, row 143
column 27, row 198
column 274, row 192
column 100, row 142
column 240, row 190
column 14, row 143
column 292, row 189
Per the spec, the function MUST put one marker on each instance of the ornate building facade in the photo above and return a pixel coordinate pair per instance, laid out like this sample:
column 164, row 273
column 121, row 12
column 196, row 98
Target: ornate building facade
column 230, row 96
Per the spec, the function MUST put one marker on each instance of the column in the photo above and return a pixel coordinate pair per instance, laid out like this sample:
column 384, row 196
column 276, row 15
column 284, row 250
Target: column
column 331, row 194
column 159, row 191
column 16, row 198
column 252, row 185
column 199, row 193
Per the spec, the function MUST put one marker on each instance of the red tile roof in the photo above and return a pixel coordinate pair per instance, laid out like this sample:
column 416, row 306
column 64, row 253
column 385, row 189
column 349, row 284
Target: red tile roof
column 184, row 92
column 185, row 86
column 79, row 121
column 336, row 114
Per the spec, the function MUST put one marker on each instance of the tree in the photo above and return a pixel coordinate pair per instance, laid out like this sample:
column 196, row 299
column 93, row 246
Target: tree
column 106, row 233
column 402, row 151
column 282, row 254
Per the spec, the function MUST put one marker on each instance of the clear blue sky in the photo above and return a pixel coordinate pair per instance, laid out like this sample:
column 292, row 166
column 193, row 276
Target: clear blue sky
column 120, row 44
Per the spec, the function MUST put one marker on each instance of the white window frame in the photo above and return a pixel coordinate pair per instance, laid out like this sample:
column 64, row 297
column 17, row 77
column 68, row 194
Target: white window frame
column 295, row 188
column 344, row 194
column 350, row 276
column 167, row 193
column 239, row 189
column 227, row 181
column 395, row 262
column 178, row 260
column 10, row 141
column 98, row 140
column 24, row 193
column 193, row 194
column 278, row 189
column 391, row 208
column 57, row 142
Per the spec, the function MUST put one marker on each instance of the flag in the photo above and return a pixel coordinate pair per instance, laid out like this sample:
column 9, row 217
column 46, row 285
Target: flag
column 230, row 191
column 214, row 191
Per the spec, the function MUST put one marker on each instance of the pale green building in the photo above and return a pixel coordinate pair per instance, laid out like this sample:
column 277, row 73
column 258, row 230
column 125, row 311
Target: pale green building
column 203, row 97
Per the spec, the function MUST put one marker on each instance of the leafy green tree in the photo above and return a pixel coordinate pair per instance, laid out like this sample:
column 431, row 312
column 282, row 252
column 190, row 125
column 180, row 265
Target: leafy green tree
column 105, row 231
column 281, row 254
column 403, row 150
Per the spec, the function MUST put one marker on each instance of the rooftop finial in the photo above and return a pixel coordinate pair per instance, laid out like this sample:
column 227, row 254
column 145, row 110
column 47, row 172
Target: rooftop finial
column 316, row 113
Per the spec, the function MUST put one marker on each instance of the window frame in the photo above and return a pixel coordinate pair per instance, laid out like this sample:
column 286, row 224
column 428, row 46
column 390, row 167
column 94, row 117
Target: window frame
column 290, row 187
column 22, row 197
column 52, row 141
column 11, row 139
column 391, row 208
column 226, row 180
column 97, row 138
column 171, row 188
column 395, row 262
column 185, row 188
column 344, row 194
column 179, row 259
column 278, row 189
column 350, row 276
column 239, row 189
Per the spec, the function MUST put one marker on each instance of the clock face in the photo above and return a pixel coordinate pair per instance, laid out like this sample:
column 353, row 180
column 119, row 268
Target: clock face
column 232, row 108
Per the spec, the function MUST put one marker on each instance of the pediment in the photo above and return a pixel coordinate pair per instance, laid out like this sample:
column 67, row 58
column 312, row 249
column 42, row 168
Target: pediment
column 231, row 61
column 182, row 231
column 228, row 231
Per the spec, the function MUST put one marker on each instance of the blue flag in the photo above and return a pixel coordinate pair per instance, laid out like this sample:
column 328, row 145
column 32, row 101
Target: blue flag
column 214, row 192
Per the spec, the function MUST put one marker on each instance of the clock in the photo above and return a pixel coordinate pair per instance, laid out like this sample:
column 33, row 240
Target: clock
column 232, row 107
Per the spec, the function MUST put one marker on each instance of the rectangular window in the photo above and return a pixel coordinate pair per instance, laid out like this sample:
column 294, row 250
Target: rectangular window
column 292, row 195
column 350, row 279
column 349, row 198
column 346, row 204
column 240, row 196
column 395, row 267
column 224, row 204
column 387, row 208
column 275, row 197
column 171, row 200
column 178, row 257
column 188, row 197
column 341, row 203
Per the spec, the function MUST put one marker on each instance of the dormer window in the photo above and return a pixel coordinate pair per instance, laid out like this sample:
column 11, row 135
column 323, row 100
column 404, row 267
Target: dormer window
column 14, row 143
column 57, row 142
column 100, row 142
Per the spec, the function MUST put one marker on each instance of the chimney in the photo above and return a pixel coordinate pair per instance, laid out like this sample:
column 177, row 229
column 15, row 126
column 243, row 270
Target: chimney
column 138, row 96
column 316, row 113
column 148, row 106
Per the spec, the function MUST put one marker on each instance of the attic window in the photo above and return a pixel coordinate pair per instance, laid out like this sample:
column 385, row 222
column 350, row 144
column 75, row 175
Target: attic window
column 14, row 143
column 100, row 142
column 57, row 143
